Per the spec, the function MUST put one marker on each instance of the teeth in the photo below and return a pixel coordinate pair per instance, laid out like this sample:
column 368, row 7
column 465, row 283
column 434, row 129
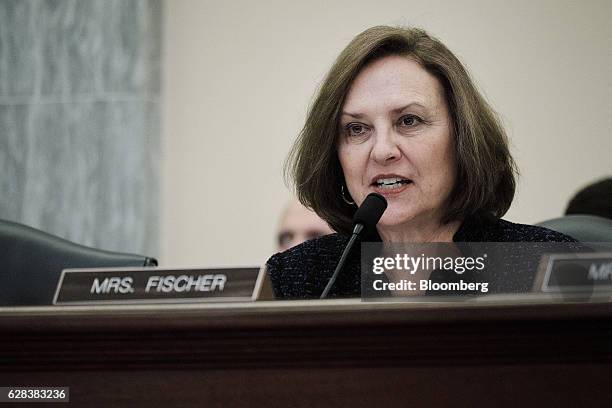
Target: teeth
column 391, row 183
column 387, row 181
column 390, row 186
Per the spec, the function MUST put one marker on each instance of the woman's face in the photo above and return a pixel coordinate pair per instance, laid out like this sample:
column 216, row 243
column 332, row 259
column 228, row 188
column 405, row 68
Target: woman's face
column 395, row 140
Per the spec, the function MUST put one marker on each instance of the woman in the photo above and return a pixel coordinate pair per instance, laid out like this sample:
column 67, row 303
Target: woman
column 398, row 115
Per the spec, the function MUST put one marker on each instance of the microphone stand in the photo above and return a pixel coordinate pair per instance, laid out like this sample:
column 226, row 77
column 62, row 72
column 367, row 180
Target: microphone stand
column 358, row 228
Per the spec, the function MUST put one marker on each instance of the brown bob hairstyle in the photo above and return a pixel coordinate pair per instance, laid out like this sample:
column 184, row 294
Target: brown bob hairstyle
column 485, row 169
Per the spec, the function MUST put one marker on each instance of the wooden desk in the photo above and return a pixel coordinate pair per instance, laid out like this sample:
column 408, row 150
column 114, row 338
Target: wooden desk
column 342, row 353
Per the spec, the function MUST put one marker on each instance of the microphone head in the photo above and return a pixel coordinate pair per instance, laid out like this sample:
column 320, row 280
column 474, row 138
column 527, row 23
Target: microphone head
column 370, row 211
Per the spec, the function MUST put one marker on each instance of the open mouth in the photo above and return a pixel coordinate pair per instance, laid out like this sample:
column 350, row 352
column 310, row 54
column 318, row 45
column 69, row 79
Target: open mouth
column 391, row 183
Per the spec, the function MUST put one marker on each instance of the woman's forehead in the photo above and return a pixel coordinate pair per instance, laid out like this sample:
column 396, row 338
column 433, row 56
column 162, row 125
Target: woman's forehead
column 391, row 83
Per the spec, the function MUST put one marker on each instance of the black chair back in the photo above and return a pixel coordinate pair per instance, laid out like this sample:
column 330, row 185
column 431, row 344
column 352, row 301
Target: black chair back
column 31, row 262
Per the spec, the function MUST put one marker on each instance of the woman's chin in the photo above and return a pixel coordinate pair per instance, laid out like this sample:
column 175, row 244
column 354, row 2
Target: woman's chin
column 392, row 220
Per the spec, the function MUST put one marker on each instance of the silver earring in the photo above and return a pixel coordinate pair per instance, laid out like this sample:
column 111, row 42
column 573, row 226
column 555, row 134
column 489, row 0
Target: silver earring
column 349, row 202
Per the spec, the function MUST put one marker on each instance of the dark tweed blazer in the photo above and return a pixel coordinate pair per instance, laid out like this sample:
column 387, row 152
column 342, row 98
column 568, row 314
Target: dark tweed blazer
column 303, row 271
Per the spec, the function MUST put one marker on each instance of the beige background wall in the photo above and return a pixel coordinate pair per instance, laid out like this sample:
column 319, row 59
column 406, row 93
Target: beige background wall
column 238, row 77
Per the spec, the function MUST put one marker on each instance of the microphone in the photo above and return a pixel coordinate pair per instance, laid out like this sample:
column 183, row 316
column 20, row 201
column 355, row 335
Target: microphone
column 366, row 216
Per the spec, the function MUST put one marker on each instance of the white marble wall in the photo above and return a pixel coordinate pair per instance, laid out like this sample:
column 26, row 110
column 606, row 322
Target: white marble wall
column 79, row 119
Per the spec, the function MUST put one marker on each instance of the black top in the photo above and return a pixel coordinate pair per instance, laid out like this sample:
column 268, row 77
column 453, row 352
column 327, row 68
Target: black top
column 303, row 271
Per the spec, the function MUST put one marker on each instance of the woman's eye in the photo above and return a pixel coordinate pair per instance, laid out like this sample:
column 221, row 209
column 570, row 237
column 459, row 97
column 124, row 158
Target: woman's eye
column 355, row 129
column 410, row 121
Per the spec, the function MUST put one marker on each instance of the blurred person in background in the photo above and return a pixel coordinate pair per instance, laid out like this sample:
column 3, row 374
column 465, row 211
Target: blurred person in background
column 299, row 224
column 594, row 199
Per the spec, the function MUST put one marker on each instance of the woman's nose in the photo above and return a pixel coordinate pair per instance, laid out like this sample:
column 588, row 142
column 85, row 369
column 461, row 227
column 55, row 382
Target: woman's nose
column 385, row 149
